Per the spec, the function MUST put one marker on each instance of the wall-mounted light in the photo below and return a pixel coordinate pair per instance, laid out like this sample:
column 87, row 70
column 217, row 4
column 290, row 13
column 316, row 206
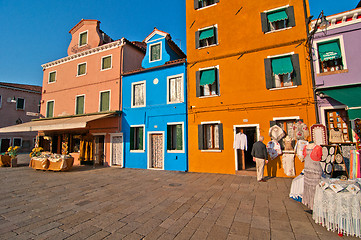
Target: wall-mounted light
column 13, row 100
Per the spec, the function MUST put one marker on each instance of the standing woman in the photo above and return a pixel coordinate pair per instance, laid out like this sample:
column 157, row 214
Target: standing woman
column 312, row 172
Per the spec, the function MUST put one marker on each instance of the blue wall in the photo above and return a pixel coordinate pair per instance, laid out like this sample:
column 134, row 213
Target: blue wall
column 155, row 115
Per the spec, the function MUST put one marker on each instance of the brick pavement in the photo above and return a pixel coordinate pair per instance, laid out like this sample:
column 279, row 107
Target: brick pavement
column 115, row 203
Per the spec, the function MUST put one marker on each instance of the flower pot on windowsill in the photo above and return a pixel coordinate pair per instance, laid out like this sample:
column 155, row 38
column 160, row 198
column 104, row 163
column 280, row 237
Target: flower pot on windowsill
column 14, row 162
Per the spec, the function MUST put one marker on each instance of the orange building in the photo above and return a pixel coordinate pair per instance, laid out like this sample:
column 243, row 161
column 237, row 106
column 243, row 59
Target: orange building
column 247, row 70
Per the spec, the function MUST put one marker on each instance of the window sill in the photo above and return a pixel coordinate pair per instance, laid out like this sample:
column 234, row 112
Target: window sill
column 282, row 88
column 214, row 4
column 175, row 102
column 210, row 96
column 51, row 82
column 278, row 30
column 81, row 75
column 175, row 151
column 333, row 72
column 106, row 69
column 137, row 151
column 213, row 45
column 138, row 106
column 215, row 150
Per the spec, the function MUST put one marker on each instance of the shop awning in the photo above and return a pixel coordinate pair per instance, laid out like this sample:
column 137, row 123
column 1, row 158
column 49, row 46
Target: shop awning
column 282, row 65
column 206, row 34
column 329, row 50
column 65, row 123
column 277, row 16
column 207, row 77
column 350, row 96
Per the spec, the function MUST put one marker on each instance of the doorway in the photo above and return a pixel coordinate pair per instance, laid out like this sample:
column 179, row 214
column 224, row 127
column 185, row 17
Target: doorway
column 116, row 151
column 252, row 133
column 156, row 151
column 99, row 149
column 5, row 144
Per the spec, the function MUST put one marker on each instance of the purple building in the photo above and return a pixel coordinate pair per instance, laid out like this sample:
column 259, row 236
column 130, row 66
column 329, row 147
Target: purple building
column 337, row 69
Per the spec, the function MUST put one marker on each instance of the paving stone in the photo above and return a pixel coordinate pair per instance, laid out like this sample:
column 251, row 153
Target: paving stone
column 282, row 235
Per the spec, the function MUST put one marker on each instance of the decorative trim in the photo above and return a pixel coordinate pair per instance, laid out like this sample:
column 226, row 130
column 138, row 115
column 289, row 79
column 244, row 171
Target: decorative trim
column 89, row 52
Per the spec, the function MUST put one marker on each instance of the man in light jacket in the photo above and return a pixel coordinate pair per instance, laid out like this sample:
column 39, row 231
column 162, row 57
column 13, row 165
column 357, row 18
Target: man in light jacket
column 260, row 156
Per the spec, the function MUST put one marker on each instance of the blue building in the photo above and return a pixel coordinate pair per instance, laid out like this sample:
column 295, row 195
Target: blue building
column 154, row 121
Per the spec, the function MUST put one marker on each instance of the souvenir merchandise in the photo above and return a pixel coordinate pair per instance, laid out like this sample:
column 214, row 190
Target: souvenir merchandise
column 240, row 141
column 357, row 130
column 273, row 149
column 296, row 191
column 346, row 153
column 288, row 143
column 333, row 163
column 300, row 131
column 288, row 164
column 300, row 145
column 276, row 133
column 336, row 136
column 318, row 134
column 313, row 172
column 355, row 160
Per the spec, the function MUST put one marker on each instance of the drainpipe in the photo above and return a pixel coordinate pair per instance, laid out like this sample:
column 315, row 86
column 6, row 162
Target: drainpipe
column 311, row 60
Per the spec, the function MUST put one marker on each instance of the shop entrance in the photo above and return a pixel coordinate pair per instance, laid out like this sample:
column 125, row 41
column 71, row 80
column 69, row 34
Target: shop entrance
column 99, row 149
column 5, row 144
column 252, row 132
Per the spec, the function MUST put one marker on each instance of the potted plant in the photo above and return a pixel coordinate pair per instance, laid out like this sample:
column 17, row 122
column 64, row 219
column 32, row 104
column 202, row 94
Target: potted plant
column 36, row 152
column 13, row 152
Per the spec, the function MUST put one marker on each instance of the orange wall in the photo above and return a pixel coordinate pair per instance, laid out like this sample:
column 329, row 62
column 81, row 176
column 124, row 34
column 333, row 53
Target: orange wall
column 244, row 98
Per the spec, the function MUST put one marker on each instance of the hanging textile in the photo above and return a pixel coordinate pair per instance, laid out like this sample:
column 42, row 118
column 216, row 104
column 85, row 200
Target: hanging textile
column 288, row 164
column 273, row 149
column 86, row 148
column 276, row 133
column 300, row 131
column 318, row 134
column 300, row 145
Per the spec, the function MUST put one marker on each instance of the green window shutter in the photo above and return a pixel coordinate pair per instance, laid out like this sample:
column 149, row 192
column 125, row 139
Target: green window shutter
column 131, row 139
column 197, row 39
column 155, row 52
column 200, row 137
column 179, row 131
column 52, row 77
column 297, row 72
column 140, row 137
column 198, row 86
column 169, row 137
column 220, row 132
column 83, row 38
column 104, row 101
column 80, row 105
column 208, row 33
column 268, row 72
column 50, row 109
column 291, row 16
column 82, row 69
column 264, row 22
column 106, row 62
column 207, row 77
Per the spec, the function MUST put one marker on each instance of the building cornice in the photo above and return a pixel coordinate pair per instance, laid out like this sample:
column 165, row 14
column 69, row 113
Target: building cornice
column 89, row 52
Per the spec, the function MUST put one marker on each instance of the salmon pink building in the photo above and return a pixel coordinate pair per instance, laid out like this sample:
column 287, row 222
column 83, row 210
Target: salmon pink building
column 81, row 98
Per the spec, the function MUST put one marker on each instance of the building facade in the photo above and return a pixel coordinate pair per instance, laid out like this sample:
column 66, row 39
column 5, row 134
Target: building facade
column 19, row 103
column 247, row 71
column 336, row 59
column 154, row 119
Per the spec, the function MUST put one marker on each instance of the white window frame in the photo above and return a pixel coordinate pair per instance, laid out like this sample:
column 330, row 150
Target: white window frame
column 49, row 77
column 208, row 123
column 138, row 151
column 342, row 48
column 86, row 38
column 182, row 88
column 145, row 94
column 218, row 81
column 183, row 144
column 206, row 6
column 100, row 98
column 76, row 103
column 46, row 112
column 216, row 35
column 150, row 52
column 77, row 69
column 111, row 63
column 17, row 103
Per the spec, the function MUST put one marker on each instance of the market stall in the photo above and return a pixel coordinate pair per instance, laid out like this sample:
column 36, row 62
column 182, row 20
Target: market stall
column 53, row 162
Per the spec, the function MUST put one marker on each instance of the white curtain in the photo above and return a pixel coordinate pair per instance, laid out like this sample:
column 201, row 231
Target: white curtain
column 216, row 136
column 175, row 89
column 139, row 94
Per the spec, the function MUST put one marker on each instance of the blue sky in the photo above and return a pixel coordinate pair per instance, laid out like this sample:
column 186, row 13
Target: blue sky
column 35, row 32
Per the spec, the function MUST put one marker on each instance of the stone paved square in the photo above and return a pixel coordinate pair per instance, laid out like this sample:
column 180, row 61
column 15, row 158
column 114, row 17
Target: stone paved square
column 116, row 203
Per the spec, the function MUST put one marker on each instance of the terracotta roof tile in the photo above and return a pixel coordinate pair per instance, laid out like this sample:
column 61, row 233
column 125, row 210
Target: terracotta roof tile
column 22, row 86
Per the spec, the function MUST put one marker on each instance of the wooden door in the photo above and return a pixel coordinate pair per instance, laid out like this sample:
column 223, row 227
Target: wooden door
column 99, row 150
column 156, row 151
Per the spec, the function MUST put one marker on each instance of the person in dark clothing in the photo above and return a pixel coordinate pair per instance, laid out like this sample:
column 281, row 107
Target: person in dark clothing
column 260, row 156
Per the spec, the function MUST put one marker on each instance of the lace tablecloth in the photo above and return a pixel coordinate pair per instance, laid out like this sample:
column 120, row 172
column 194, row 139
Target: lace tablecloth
column 339, row 211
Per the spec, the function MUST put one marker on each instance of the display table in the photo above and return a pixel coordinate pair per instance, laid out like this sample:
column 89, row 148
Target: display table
column 51, row 163
column 5, row 161
column 339, row 211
